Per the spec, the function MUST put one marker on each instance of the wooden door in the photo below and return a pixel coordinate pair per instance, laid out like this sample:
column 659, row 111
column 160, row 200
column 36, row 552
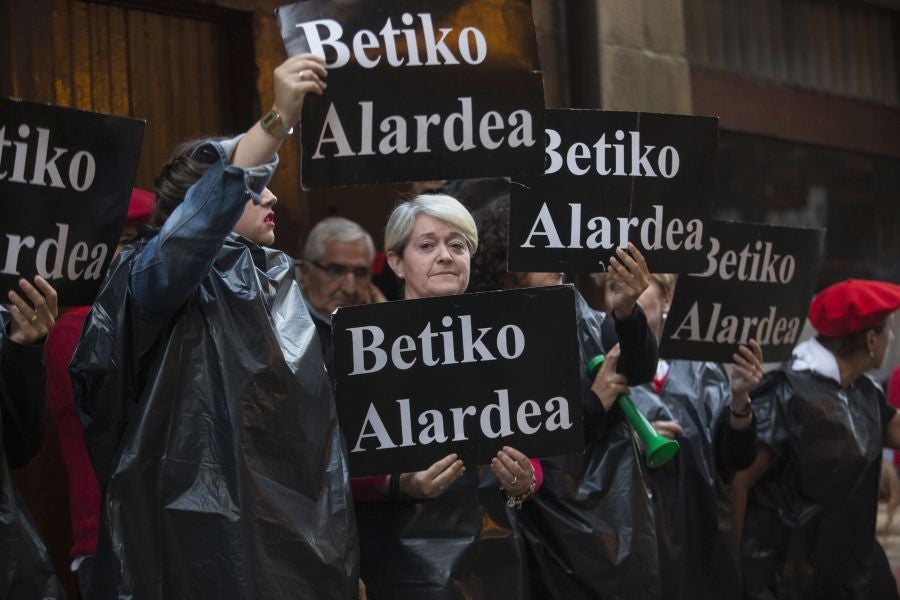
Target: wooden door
column 187, row 69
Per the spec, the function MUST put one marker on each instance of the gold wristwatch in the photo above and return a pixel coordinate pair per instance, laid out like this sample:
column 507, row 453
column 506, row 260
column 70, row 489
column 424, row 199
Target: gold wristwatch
column 272, row 124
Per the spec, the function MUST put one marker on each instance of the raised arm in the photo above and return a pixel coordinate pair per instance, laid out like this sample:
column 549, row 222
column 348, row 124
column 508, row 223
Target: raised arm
column 234, row 171
column 629, row 277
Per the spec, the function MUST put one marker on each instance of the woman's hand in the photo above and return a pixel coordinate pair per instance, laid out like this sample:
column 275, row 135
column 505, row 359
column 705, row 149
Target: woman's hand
column 514, row 471
column 608, row 384
column 747, row 371
column 669, row 429
column 433, row 481
column 32, row 319
column 628, row 278
column 294, row 78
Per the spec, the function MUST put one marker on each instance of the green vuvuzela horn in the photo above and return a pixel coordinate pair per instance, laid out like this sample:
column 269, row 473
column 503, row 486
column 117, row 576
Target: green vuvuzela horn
column 659, row 448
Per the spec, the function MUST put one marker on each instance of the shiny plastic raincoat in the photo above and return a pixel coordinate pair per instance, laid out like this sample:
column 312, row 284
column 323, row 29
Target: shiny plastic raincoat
column 809, row 532
column 212, row 426
column 590, row 528
column 464, row 544
column 698, row 546
column 26, row 572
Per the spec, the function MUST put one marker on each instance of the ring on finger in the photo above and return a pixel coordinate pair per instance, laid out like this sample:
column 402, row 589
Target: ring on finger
column 515, row 480
column 33, row 318
column 302, row 75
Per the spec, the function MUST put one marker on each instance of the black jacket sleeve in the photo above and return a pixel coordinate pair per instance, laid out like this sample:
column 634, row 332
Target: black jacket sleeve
column 23, row 403
column 735, row 450
column 637, row 344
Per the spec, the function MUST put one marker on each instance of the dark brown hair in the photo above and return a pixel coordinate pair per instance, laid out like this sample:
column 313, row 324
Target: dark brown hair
column 178, row 174
column 851, row 344
column 489, row 264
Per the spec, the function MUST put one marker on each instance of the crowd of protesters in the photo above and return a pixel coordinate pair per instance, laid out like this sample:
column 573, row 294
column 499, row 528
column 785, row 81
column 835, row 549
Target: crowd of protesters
column 211, row 463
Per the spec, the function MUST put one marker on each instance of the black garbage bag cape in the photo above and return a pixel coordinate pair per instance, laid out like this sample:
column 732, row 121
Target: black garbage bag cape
column 215, row 440
column 698, row 545
column 809, row 532
column 26, row 571
column 465, row 544
column 590, row 529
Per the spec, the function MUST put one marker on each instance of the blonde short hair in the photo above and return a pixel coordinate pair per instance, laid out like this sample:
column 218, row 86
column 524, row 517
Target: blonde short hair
column 446, row 208
column 665, row 281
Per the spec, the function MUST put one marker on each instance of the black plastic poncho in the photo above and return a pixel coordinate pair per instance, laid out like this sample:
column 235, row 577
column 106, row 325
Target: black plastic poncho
column 809, row 532
column 26, row 571
column 590, row 528
column 215, row 440
column 463, row 545
column 698, row 546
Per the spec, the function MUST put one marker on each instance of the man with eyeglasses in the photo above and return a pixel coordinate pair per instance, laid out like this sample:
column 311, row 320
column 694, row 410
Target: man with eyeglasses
column 336, row 270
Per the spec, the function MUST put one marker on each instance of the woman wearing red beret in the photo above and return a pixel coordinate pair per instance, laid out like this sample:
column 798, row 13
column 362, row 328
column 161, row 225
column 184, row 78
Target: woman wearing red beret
column 809, row 528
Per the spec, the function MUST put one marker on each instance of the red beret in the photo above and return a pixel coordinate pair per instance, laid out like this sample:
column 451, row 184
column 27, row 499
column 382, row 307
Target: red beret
column 853, row 305
column 140, row 207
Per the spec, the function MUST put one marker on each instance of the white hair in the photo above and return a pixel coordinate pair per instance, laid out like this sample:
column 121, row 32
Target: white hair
column 335, row 229
column 446, row 208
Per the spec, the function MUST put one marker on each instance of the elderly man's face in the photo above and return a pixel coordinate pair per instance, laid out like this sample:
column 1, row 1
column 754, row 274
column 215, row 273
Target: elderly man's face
column 341, row 277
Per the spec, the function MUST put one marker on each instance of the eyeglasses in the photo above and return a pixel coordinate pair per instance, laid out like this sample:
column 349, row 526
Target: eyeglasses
column 338, row 271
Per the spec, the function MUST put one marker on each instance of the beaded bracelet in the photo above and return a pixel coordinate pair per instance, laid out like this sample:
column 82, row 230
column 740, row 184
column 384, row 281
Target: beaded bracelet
column 516, row 501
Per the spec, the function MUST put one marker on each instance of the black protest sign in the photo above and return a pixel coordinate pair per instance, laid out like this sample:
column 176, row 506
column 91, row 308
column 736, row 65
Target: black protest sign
column 418, row 90
column 614, row 177
column 65, row 181
column 757, row 284
column 419, row 379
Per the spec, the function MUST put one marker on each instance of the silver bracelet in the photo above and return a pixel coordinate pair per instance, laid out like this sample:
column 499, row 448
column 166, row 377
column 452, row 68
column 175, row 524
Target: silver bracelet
column 516, row 501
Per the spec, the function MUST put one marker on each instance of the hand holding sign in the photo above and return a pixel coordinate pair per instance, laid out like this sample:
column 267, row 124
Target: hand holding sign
column 514, row 471
column 748, row 369
column 628, row 278
column 609, row 385
column 746, row 373
column 32, row 319
column 294, row 78
column 433, row 481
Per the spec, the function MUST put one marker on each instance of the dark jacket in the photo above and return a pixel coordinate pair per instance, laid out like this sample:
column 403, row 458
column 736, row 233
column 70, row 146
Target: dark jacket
column 463, row 545
column 26, row 571
column 212, row 426
column 809, row 531
column 590, row 529
column 698, row 546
